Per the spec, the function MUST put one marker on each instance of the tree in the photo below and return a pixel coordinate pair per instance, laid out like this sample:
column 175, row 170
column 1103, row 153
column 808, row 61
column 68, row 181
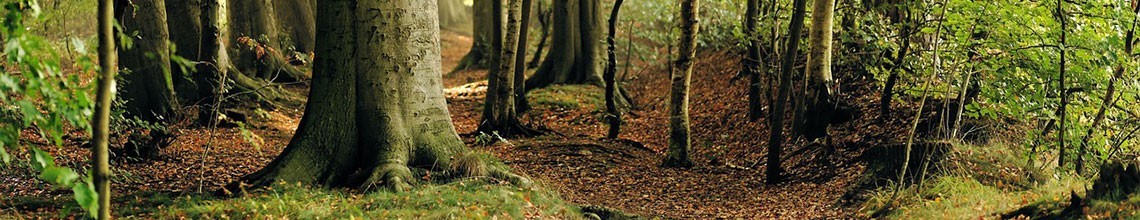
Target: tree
column 774, row 173
column 815, row 108
column 453, row 14
column 499, row 113
column 613, row 114
column 100, row 125
column 520, row 58
column 481, row 51
column 148, row 86
column 752, row 64
column 576, row 54
column 377, row 111
column 679, row 140
column 1063, row 92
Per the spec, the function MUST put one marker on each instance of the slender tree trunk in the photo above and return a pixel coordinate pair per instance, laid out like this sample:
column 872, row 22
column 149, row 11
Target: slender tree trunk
column 680, row 145
column 774, row 172
column 521, row 104
column 148, row 88
column 544, row 17
column 1109, row 95
column 613, row 114
column 752, row 65
column 893, row 78
column 377, row 112
column 100, row 130
column 1061, row 83
column 818, row 104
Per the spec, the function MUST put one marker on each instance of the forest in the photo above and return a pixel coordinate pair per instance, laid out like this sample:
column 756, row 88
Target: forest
column 569, row 109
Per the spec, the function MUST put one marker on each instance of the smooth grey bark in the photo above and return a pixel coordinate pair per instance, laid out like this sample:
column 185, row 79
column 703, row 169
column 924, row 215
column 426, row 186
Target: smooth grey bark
column 147, row 87
column 213, row 69
column 377, row 112
column 499, row 112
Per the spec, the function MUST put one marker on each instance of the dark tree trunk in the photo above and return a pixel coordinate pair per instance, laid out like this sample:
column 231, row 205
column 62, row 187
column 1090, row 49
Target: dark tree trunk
column 774, row 173
column 148, row 87
column 377, row 111
column 521, row 104
column 613, row 114
column 1064, row 95
column 186, row 17
column 753, row 64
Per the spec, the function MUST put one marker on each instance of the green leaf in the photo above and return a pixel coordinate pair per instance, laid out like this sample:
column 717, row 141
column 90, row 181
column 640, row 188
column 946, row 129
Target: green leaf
column 41, row 159
column 60, row 176
column 86, row 196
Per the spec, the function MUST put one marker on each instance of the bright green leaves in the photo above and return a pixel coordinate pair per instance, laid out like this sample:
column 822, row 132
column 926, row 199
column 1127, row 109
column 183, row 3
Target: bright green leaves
column 36, row 94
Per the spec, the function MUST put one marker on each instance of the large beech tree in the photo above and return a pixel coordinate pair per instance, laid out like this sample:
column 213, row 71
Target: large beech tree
column 377, row 111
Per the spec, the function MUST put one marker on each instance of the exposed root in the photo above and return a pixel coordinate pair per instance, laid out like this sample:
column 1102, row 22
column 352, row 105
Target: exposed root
column 392, row 175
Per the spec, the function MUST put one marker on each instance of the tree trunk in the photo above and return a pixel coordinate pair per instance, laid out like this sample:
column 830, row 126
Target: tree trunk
column 453, row 15
column 1064, row 95
column 481, row 50
column 377, row 111
column 100, row 127
column 818, row 104
column 774, row 173
column 679, row 139
column 148, row 87
column 212, row 72
column 613, row 114
column 544, row 17
column 752, row 64
column 186, row 17
column 521, row 104
column 499, row 114
column 296, row 17
column 576, row 54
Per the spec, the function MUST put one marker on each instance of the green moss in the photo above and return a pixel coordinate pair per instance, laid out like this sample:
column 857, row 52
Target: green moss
column 470, row 199
column 568, row 97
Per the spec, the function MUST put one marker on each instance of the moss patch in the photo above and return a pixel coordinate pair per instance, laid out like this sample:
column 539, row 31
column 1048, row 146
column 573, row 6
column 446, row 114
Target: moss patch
column 470, row 199
column 568, row 97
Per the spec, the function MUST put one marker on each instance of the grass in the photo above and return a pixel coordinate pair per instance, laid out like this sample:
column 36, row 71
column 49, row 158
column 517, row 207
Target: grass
column 471, row 199
column 569, row 97
column 980, row 182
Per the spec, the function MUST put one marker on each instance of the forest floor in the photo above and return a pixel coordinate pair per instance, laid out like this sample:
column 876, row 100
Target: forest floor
column 574, row 160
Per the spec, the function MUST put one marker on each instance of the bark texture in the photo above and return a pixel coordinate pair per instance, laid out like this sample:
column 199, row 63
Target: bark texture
column 100, row 123
column 377, row 111
column 148, row 87
column 499, row 112
column 680, row 144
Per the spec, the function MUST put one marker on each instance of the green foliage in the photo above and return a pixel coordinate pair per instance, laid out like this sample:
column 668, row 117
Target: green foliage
column 471, row 199
column 37, row 95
